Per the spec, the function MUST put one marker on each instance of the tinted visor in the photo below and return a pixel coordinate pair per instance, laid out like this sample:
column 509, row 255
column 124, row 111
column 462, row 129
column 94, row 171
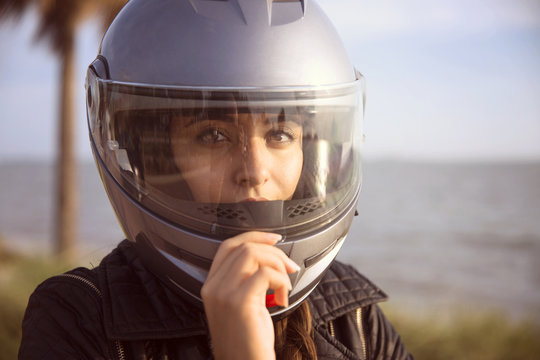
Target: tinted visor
column 222, row 161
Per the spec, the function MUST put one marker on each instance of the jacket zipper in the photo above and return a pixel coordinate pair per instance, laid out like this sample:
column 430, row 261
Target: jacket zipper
column 84, row 280
column 331, row 326
column 120, row 350
column 360, row 326
column 118, row 344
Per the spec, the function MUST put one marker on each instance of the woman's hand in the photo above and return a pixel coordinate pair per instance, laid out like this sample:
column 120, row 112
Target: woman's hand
column 234, row 295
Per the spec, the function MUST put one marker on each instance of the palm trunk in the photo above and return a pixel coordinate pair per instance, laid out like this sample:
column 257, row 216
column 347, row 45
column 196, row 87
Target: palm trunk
column 67, row 204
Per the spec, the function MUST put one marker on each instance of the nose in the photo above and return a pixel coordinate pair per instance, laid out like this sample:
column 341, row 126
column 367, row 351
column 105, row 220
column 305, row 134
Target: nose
column 254, row 169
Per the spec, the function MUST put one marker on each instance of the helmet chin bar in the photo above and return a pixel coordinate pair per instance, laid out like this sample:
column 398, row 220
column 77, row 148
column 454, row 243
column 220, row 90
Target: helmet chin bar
column 185, row 272
column 186, row 275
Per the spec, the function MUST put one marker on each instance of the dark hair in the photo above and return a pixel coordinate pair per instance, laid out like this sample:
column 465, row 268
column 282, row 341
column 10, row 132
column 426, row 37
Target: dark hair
column 294, row 336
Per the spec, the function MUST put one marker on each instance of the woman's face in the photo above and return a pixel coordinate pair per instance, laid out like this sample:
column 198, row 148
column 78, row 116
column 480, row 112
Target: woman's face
column 230, row 157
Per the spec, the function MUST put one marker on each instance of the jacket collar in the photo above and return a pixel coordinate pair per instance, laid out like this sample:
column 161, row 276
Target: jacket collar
column 342, row 290
column 138, row 306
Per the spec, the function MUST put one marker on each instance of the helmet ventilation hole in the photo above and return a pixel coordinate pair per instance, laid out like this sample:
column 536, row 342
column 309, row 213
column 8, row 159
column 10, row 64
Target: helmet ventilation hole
column 221, row 212
column 302, row 209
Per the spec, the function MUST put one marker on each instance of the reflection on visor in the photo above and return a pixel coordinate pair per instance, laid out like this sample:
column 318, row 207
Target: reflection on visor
column 173, row 154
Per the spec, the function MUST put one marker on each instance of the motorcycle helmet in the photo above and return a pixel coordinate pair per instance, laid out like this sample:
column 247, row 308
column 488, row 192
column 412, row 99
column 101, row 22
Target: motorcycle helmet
column 194, row 106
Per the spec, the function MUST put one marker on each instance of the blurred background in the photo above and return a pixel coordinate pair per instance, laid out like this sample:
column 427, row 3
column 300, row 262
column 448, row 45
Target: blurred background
column 450, row 205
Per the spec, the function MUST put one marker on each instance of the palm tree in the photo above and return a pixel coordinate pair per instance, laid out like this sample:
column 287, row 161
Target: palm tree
column 59, row 20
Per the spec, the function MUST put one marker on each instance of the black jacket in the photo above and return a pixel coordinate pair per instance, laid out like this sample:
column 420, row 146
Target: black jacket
column 119, row 310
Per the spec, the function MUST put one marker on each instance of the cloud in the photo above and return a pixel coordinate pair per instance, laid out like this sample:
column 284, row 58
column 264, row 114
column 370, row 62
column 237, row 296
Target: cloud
column 398, row 17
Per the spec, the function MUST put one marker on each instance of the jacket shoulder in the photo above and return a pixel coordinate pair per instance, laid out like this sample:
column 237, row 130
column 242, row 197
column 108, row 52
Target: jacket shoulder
column 62, row 319
column 342, row 290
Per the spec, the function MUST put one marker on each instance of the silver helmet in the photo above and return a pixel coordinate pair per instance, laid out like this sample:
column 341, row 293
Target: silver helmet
column 209, row 118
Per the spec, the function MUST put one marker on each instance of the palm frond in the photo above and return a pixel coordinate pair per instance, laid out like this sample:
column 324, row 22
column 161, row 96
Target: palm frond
column 14, row 8
column 59, row 19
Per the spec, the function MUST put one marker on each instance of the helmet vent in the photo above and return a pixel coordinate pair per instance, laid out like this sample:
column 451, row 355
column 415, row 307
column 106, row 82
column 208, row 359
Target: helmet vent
column 221, row 212
column 286, row 11
column 302, row 209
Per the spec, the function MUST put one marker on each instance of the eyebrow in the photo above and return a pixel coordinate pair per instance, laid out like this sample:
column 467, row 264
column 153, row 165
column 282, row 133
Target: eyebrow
column 221, row 116
column 225, row 117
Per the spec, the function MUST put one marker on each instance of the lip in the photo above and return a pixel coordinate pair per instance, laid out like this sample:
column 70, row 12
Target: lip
column 253, row 199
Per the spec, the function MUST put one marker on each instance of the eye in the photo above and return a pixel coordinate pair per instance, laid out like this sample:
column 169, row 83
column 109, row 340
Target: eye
column 212, row 136
column 280, row 137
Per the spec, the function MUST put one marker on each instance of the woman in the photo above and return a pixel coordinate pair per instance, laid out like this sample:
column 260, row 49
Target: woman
column 227, row 135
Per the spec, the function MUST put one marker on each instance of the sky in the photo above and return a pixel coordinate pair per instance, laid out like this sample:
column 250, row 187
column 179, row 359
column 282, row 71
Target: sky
column 446, row 80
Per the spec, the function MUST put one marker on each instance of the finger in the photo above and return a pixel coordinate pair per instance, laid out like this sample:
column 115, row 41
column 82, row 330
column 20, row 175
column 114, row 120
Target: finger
column 231, row 291
column 252, row 236
column 245, row 260
column 264, row 238
column 266, row 278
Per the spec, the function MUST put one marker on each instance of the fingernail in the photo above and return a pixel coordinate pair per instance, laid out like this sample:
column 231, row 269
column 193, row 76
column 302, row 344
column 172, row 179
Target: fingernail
column 274, row 237
column 293, row 265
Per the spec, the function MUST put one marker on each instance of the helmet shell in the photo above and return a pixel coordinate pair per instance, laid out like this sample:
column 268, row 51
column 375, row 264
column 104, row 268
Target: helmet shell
column 270, row 46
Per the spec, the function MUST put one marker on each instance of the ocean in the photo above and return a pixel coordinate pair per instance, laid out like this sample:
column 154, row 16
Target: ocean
column 434, row 236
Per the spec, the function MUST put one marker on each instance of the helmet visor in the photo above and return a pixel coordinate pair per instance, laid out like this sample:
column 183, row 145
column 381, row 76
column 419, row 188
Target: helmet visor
column 223, row 160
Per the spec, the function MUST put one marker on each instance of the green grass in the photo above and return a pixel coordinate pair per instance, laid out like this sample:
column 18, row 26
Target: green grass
column 467, row 335
column 19, row 276
column 458, row 334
